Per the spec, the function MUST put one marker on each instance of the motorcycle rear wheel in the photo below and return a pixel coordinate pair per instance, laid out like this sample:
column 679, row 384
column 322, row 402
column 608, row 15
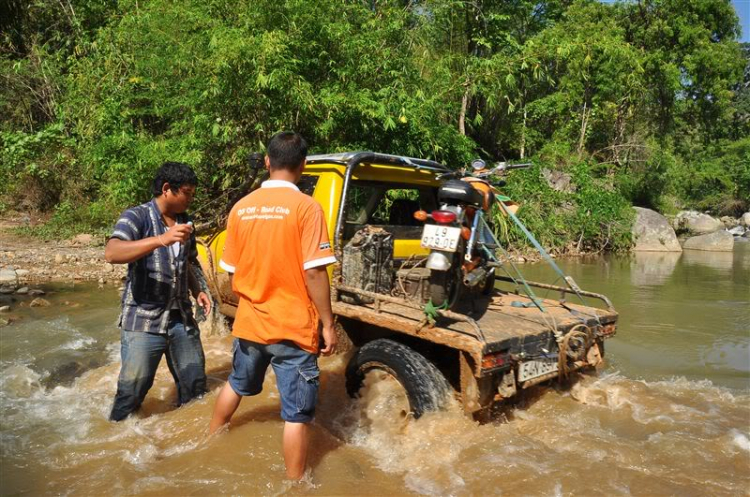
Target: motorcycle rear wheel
column 444, row 287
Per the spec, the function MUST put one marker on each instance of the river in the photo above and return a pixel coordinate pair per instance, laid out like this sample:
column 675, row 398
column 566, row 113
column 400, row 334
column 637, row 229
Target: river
column 669, row 415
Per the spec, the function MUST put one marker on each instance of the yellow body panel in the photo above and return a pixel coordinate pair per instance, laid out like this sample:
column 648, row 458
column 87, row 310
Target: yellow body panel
column 328, row 193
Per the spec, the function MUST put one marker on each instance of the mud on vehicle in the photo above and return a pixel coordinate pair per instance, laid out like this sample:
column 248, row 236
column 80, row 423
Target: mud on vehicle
column 487, row 348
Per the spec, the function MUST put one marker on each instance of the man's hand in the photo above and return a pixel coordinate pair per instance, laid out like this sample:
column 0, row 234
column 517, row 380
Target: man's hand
column 177, row 233
column 204, row 301
column 330, row 340
column 319, row 289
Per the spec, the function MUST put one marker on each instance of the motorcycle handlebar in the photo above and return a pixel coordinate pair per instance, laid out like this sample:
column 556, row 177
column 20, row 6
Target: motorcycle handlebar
column 500, row 167
column 519, row 166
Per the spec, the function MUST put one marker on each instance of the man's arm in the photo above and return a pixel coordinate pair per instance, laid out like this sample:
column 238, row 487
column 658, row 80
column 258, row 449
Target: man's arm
column 124, row 251
column 319, row 289
column 198, row 286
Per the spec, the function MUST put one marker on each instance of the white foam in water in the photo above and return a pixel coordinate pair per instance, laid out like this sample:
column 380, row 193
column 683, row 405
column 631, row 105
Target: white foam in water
column 144, row 454
column 19, row 381
column 741, row 440
column 113, row 352
column 78, row 343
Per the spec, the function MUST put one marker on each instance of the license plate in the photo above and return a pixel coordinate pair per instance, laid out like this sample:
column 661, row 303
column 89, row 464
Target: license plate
column 440, row 237
column 533, row 369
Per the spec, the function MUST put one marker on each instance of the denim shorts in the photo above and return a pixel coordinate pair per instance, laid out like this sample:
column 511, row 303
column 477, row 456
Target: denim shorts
column 297, row 375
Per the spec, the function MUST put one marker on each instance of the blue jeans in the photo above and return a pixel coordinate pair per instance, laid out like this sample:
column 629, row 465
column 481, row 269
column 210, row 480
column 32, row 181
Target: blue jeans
column 296, row 375
column 141, row 353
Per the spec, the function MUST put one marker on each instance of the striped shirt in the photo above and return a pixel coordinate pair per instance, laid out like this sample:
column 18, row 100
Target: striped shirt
column 158, row 281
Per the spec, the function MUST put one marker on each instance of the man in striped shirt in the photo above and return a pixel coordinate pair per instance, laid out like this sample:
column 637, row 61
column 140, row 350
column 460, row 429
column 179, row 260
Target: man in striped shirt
column 157, row 242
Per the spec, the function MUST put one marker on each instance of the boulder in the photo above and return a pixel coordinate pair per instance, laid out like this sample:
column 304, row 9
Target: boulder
column 5, row 308
column 652, row 232
column 719, row 241
column 39, row 302
column 82, row 239
column 22, row 273
column 729, row 222
column 737, row 231
column 696, row 223
column 745, row 219
column 8, row 277
column 559, row 181
column 23, row 290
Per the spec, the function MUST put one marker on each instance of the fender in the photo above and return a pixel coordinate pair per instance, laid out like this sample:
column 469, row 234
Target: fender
column 439, row 261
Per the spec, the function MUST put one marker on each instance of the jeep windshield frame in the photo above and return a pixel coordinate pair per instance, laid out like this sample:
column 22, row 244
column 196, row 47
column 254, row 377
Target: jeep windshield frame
column 353, row 159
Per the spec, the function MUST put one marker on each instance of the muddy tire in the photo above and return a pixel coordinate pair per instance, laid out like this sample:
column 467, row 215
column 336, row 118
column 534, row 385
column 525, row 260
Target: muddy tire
column 426, row 387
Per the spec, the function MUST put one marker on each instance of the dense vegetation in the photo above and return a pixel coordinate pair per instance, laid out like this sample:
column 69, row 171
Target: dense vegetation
column 644, row 103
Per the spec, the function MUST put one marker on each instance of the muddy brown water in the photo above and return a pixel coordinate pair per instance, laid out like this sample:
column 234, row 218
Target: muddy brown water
column 670, row 414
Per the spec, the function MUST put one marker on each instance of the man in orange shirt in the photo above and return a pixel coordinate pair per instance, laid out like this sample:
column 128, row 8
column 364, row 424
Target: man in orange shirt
column 277, row 247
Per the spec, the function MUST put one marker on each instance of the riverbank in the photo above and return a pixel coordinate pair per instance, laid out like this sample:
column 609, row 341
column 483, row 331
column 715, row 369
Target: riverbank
column 35, row 261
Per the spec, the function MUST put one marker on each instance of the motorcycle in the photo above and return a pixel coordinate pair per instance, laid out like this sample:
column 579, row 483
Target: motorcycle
column 460, row 236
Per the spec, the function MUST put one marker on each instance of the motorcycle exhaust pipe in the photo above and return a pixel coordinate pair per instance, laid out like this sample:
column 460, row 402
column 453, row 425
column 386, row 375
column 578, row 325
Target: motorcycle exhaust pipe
column 475, row 277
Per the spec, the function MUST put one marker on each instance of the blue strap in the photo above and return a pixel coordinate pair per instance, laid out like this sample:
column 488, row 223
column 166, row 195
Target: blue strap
column 541, row 250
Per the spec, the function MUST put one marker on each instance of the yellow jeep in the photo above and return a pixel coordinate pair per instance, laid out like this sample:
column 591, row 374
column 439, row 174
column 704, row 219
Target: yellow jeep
column 484, row 352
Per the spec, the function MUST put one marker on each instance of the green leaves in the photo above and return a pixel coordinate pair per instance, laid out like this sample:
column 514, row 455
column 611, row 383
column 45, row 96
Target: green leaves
column 89, row 108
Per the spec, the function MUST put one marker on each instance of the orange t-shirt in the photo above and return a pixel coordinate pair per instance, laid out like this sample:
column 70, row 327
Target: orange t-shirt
column 273, row 235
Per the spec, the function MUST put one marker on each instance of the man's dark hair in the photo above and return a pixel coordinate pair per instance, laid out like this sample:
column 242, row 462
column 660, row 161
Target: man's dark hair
column 287, row 150
column 176, row 174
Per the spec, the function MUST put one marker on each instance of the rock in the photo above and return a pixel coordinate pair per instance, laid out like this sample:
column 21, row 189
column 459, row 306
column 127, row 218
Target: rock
column 696, row 223
column 559, row 181
column 59, row 259
column 23, row 290
column 737, row 231
column 4, row 322
column 719, row 241
column 5, row 308
column 729, row 222
column 101, row 281
column 82, row 239
column 8, row 277
column 7, row 290
column 652, row 232
column 39, row 302
column 745, row 220
column 109, row 267
column 36, row 292
column 72, row 258
column 22, row 273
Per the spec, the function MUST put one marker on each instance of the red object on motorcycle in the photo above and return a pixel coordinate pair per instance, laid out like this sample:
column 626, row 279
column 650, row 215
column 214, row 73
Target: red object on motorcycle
column 420, row 216
column 465, row 233
column 444, row 217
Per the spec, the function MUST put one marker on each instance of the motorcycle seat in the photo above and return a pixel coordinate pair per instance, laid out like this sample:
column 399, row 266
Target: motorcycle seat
column 457, row 191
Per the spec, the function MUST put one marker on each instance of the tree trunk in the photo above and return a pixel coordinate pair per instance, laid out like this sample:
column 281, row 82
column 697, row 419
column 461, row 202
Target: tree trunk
column 462, row 115
column 584, row 123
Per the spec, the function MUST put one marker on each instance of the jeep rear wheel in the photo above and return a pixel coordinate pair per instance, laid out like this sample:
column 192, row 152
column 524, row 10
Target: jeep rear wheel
column 426, row 389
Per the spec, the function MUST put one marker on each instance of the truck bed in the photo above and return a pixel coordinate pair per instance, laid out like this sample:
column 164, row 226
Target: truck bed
column 482, row 325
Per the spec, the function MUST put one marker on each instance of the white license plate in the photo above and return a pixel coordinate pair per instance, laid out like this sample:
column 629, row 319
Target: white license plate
column 440, row 237
column 533, row 369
